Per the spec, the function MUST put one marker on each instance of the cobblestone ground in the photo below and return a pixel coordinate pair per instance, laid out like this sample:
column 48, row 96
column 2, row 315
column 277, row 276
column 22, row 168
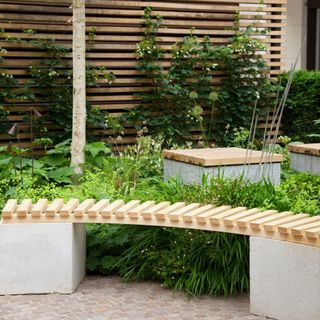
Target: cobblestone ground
column 108, row 298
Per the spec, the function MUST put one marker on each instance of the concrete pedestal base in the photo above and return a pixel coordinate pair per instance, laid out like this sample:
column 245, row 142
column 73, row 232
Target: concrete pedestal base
column 190, row 173
column 41, row 258
column 305, row 163
column 284, row 280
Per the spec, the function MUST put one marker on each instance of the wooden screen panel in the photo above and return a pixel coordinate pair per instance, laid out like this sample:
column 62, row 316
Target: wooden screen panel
column 118, row 29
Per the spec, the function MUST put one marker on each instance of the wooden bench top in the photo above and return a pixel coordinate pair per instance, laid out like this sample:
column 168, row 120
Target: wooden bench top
column 220, row 156
column 285, row 226
column 310, row 149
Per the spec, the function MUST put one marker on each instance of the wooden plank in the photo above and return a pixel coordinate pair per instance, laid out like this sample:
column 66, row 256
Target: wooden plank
column 121, row 212
column 298, row 231
column 257, row 224
column 273, row 225
column 230, row 220
column 189, row 216
column 24, row 208
column 9, row 208
column 53, row 208
column 97, row 208
column 244, row 222
column 83, row 207
column 135, row 212
column 204, row 217
column 161, row 214
column 177, row 215
column 285, row 228
column 110, row 209
column 218, row 218
column 69, row 207
column 313, row 233
column 39, row 208
column 149, row 213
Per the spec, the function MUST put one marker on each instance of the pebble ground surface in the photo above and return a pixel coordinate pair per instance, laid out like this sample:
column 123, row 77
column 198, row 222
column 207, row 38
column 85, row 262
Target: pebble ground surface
column 108, row 298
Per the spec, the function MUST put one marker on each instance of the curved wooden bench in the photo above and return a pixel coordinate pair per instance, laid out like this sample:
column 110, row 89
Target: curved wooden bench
column 285, row 226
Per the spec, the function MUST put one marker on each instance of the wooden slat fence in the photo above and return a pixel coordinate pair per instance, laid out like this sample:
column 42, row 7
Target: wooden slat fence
column 118, row 29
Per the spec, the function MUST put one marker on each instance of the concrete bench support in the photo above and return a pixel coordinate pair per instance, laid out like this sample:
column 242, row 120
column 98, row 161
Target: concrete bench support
column 190, row 173
column 190, row 166
column 305, row 158
column 41, row 258
column 284, row 280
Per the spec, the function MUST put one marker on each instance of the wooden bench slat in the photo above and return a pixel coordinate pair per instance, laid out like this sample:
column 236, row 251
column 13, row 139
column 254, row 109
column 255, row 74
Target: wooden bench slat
column 96, row 209
column 24, row 208
column 54, row 208
column 161, row 214
column 260, row 222
column 177, row 215
column 121, row 212
column 149, row 213
column 272, row 226
column 38, row 209
column 230, row 220
column 188, row 216
column 10, row 208
column 202, row 218
column 218, row 218
column 110, row 209
column 83, row 207
column 285, row 228
column 135, row 212
column 298, row 231
column 313, row 233
column 68, row 208
column 243, row 223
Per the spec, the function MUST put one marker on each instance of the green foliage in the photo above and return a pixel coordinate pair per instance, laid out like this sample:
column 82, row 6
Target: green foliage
column 193, row 261
column 51, row 85
column 303, row 106
column 184, row 97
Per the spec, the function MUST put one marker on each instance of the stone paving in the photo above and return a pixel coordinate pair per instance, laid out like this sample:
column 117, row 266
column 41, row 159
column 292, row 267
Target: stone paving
column 107, row 298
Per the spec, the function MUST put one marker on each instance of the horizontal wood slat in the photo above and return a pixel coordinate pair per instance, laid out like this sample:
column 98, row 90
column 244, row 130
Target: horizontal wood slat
column 285, row 226
column 118, row 28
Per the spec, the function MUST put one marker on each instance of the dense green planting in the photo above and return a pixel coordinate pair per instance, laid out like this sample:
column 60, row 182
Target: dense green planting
column 303, row 106
column 193, row 261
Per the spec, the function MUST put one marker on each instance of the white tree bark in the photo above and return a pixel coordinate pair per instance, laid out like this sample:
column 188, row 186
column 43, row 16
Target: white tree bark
column 79, row 87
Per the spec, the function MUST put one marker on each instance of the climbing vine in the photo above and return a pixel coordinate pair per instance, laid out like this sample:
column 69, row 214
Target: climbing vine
column 190, row 94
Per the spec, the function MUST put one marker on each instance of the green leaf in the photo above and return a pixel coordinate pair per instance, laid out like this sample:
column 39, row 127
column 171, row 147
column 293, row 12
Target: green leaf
column 62, row 174
column 95, row 148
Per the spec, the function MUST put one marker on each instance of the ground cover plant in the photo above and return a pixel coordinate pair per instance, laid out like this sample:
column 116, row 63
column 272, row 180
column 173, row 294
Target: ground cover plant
column 196, row 262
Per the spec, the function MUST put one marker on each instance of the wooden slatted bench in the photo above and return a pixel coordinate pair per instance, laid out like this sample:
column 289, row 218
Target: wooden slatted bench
column 190, row 165
column 284, row 247
column 285, row 226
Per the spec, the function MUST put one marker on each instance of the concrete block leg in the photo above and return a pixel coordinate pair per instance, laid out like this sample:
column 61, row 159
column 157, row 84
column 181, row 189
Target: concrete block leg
column 284, row 280
column 41, row 258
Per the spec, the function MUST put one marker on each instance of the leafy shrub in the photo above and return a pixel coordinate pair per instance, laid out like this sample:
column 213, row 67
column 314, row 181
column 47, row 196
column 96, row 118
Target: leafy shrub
column 303, row 106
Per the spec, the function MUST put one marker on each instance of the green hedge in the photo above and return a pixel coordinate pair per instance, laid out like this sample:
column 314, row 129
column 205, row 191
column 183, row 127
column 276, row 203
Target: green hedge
column 303, row 106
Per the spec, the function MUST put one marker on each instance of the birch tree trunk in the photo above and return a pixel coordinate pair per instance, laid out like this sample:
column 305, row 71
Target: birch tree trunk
column 79, row 87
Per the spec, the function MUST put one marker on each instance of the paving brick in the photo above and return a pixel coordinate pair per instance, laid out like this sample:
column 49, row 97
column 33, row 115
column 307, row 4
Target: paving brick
column 108, row 298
